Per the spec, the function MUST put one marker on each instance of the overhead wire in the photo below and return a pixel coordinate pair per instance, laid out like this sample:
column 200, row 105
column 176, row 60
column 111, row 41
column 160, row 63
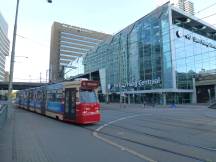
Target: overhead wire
column 32, row 40
column 207, row 16
column 206, row 8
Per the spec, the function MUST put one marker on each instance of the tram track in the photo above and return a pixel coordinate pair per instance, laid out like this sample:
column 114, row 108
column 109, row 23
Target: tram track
column 154, row 147
column 99, row 134
column 163, row 138
column 181, row 124
column 159, row 118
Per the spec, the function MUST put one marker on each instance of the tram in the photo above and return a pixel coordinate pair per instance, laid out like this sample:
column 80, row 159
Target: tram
column 71, row 101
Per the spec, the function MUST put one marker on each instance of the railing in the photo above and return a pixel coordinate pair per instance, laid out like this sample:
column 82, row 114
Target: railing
column 3, row 113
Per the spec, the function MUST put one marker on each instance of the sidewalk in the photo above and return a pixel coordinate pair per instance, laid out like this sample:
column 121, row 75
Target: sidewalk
column 3, row 114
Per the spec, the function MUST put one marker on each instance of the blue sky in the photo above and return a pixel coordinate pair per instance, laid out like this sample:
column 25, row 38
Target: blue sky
column 36, row 17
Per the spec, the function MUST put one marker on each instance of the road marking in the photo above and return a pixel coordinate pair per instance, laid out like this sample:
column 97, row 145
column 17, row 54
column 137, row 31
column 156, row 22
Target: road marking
column 123, row 148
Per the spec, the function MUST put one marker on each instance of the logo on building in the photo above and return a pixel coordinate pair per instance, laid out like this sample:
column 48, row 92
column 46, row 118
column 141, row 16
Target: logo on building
column 139, row 83
column 179, row 34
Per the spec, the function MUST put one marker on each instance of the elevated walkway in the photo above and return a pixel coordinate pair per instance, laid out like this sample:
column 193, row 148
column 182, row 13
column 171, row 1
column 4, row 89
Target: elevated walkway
column 20, row 85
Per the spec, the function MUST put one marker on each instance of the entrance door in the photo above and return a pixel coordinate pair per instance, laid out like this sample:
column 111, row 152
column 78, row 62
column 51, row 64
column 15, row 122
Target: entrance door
column 70, row 103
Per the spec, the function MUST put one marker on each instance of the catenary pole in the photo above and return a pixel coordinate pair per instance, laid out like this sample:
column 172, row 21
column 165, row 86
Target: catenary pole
column 10, row 86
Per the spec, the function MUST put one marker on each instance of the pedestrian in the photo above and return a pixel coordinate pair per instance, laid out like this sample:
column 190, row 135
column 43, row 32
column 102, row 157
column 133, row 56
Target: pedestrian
column 173, row 104
column 144, row 103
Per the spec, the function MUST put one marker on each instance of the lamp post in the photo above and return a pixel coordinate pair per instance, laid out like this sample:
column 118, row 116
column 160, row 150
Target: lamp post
column 10, row 86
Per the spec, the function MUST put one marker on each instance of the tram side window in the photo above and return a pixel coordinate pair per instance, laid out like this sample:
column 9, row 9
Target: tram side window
column 51, row 97
column 31, row 95
column 88, row 96
column 26, row 96
column 55, row 97
column 59, row 97
column 39, row 96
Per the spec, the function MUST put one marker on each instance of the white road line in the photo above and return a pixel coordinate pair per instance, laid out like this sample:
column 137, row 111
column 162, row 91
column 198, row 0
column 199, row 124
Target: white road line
column 123, row 148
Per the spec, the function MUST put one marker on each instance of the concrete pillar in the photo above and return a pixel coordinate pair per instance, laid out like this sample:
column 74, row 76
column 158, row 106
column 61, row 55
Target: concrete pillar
column 133, row 98
column 194, row 94
column 90, row 76
column 107, row 98
column 128, row 98
column 164, row 99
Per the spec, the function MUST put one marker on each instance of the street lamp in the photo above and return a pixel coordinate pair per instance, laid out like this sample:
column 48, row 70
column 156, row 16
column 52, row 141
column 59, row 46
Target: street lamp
column 10, row 86
column 23, row 56
column 18, row 58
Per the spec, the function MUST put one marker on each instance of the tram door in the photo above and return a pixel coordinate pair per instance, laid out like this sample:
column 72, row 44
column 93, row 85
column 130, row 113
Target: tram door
column 28, row 99
column 43, row 102
column 70, row 103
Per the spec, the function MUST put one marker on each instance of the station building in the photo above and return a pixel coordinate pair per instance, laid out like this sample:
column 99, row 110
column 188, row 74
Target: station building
column 160, row 58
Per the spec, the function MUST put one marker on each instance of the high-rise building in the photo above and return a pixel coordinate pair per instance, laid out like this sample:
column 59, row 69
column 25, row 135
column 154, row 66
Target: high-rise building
column 189, row 7
column 4, row 46
column 69, row 43
column 178, row 3
column 6, row 76
column 185, row 5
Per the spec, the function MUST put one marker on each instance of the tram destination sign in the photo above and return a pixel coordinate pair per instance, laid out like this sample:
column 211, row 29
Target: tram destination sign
column 89, row 84
column 179, row 34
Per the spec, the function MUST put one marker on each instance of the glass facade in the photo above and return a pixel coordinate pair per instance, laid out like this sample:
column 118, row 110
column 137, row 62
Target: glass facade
column 139, row 54
column 155, row 58
column 74, row 68
column 193, row 56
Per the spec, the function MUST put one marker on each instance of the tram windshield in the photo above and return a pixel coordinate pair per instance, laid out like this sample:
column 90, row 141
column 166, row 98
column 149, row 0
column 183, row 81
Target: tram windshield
column 87, row 96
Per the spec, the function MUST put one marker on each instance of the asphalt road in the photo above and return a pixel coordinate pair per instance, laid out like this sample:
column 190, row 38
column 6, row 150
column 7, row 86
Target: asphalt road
column 124, row 135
